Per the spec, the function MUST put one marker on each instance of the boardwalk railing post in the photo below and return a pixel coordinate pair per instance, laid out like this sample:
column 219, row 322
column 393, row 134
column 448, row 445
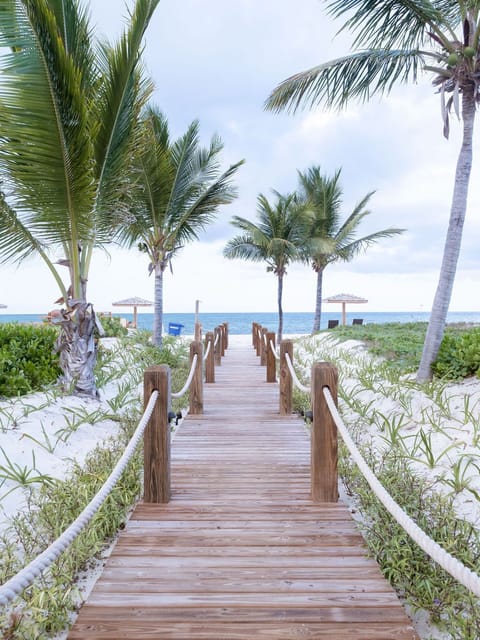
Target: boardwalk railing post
column 286, row 382
column 196, row 387
column 258, row 339
column 210, row 360
column 271, row 360
column 254, row 335
column 225, row 337
column 263, row 347
column 156, row 450
column 323, row 467
column 218, row 349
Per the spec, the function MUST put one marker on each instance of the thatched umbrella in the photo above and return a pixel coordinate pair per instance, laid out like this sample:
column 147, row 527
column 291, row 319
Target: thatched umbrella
column 344, row 299
column 133, row 302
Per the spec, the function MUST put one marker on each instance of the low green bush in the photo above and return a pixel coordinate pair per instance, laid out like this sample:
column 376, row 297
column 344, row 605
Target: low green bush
column 27, row 358
column 459, row 355
column 113, row 327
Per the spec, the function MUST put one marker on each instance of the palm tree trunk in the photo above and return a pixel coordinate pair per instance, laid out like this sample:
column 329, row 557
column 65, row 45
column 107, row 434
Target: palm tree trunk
column 280, row 310
column 77, row 347
column 158, row 306
column 318, row 302
column 441, row 302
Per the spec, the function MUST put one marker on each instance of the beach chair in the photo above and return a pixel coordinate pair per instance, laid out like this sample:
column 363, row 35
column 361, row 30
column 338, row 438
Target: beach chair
column 357, row 321
column 332, row 324
column 174, row 328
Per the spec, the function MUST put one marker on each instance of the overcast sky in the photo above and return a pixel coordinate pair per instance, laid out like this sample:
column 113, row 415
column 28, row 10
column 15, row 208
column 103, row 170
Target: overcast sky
column 217, row 61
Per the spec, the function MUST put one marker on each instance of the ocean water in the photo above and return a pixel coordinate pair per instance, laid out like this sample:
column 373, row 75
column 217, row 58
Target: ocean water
column 241, row 323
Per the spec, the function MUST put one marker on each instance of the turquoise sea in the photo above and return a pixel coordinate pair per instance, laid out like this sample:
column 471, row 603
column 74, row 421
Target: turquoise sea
column 294, row 322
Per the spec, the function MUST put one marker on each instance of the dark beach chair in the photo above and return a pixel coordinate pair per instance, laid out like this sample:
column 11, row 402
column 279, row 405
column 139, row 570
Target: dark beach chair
column 332, row 324
column 357, row 321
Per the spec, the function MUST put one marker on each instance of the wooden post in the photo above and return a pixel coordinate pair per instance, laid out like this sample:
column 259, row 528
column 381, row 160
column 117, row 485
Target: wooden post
column 225, row 335
column 218, row 349
column 286, row 382
column 263, row 347
column 271, row 360
column 198, row 326
column 156, row 450
column 210, row 361
column 323, row 461
column 257, row 342
column 196, row 387
column 254, row 335
column 224, row 338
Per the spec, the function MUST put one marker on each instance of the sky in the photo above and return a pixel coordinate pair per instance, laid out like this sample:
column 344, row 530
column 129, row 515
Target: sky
column 217, row 61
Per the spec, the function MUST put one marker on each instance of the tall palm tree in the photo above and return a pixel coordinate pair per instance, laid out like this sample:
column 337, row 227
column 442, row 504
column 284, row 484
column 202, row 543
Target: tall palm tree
column 177, row 192
column 329, row 239
column 276, row 239
column 394, row 42
column 69, row 106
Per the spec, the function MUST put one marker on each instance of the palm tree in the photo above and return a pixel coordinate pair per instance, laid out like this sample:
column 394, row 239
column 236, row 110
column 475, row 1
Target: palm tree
column 177, row 193
column 394, row 42
column 68, row 111
column 276, row 239
column 329, row 239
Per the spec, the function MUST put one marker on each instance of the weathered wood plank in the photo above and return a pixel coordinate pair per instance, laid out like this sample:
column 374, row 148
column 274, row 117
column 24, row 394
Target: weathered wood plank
column 241, row 551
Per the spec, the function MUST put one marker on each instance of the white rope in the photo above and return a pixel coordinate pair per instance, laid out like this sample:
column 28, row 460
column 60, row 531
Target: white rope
column 294, row 375
column 454, row 567
column 207, row 351
column 217, row 338
column 27, row 575
column 272, row 347
column 180, row 393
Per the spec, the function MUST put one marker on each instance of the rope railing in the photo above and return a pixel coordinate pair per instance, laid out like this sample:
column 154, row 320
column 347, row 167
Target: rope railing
column 274, row 351
column 26, row 576
column 454, row 567
column 295, row 379
column 187, row 384
column 207, row 351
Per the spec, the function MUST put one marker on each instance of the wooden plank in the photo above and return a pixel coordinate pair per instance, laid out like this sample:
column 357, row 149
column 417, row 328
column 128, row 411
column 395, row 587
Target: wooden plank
column 241, row 551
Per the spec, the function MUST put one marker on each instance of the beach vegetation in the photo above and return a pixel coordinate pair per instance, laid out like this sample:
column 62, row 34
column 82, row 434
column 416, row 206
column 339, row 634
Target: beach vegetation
column 421, row 441
column 393, row 44
column 328, row 238
column 69, row 110
column 28, row 361
column 46, row 608
column 459, row 355
column 112, row 327
column 276, row 239
column 177, row 190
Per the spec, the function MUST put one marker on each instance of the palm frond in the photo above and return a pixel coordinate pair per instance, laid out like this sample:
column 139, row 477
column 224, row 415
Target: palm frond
column 203, row 209
column 399, row 24
column 242, row 247
column 45, row 151
column 16, row 241
column 358, row 76
column 349, row 250
column 122, row 95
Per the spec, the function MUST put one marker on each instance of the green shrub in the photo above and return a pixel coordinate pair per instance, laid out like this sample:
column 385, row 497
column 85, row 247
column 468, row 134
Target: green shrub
column 27, row 358
column 113, row 327
column 459, row 355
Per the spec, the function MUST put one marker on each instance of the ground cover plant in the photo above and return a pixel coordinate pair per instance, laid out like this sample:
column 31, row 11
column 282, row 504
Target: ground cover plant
column 422, row 442
column 74, row 445
column 27, row 358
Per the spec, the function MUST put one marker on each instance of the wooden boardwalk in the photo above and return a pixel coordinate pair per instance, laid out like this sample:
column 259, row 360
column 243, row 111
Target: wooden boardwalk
column 241, row 552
